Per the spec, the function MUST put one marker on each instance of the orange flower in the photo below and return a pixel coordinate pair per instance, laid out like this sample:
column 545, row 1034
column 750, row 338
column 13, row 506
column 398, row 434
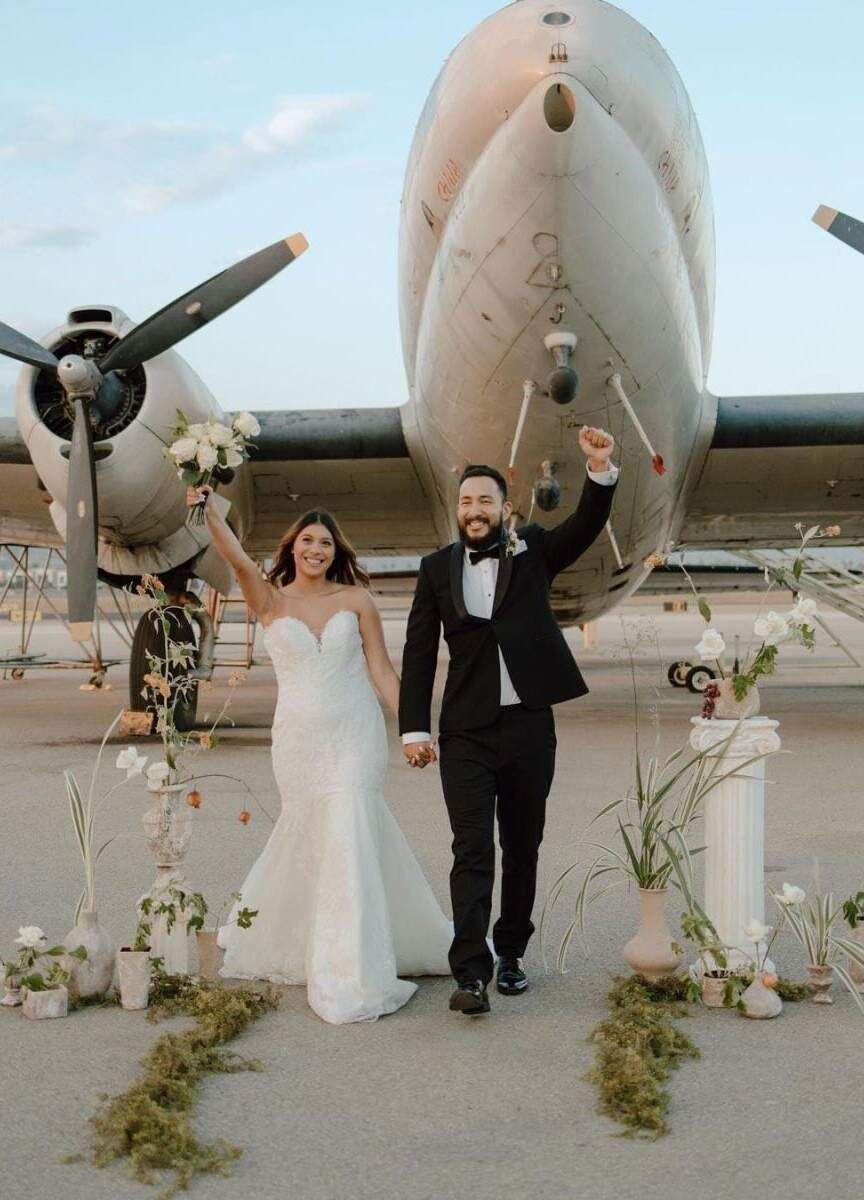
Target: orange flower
column 236, row 678
column 158, row 684
column 769, row 979
column 245, row 817
column 205, row 740
column 193, row 799
column 831, row 531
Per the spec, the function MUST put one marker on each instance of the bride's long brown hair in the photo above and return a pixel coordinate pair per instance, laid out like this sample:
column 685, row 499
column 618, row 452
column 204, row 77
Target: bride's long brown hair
column 344, row 567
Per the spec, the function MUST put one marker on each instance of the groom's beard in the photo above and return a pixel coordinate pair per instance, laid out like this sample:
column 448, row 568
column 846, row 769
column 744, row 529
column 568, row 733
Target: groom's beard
column 484, row 541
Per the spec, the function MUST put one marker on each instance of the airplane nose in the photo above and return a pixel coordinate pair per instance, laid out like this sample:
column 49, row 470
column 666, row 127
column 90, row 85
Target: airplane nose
column 557, row 128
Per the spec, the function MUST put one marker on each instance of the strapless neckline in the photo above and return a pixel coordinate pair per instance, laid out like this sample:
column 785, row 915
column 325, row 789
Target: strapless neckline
column 317, row 637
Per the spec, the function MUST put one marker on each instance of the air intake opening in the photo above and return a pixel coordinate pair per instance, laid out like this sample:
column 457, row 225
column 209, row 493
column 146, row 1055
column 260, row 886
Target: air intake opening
column 559, row 107
column 557, row 18
column 84, row 316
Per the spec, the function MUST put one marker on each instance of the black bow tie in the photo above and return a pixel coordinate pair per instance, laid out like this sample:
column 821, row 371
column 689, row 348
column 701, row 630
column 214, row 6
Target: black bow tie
column 476, row 556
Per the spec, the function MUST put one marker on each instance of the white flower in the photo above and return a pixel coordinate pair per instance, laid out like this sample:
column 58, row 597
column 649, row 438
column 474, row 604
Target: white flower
column 30, row 937
column 803, row 612
column 246, row 424
column 790, row 895
column 772, row 629
column 207, row 456
column 130, row 761
column 756, row 931
column 712, row 644
column 184, row 449
column 196, row 431
column 157, row 775
column 220, row 435
column 232, row 457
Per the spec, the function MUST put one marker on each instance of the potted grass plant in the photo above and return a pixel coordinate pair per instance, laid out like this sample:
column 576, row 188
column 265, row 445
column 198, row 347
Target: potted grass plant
column 853, row 912
column 813, row 925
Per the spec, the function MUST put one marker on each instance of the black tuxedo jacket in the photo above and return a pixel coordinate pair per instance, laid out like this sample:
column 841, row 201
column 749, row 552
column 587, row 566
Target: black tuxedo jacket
column 538, row 659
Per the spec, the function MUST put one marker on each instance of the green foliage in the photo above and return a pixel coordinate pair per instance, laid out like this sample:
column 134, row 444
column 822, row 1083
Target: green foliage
column 149, row 1124
column 704, row 610
column 853, row 910
column 638, row 1047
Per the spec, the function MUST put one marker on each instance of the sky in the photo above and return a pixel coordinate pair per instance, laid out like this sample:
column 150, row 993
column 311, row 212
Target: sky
column 144, row 147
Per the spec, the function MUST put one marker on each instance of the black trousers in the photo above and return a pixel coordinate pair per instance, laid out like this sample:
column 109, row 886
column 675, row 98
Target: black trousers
column 509, row 764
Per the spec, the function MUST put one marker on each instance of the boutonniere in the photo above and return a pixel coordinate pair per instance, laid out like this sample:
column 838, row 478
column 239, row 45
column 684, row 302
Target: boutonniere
column 515, row 544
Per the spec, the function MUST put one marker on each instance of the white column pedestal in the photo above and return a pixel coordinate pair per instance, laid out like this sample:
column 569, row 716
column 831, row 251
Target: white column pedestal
column 735, row 827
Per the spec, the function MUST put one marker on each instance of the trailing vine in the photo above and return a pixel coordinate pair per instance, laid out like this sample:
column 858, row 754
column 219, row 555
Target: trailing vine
column 150, row 1124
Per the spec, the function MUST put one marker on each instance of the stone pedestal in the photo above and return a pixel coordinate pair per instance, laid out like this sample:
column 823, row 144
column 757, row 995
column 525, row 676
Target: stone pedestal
column 735, row 826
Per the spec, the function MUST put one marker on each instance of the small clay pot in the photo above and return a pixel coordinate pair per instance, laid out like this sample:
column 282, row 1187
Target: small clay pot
column 713, row 989
column 821, row 979
column 42, row 1006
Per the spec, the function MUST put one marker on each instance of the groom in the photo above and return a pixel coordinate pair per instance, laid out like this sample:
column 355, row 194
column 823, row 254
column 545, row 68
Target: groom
column 509, row 663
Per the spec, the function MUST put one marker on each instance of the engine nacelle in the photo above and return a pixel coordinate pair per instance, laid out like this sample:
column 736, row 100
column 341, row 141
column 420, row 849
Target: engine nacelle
column 142, row 508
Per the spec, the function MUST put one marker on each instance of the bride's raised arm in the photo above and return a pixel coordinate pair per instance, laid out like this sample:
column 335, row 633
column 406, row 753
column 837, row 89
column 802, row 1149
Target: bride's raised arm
column 257, row 591
column 383, row 676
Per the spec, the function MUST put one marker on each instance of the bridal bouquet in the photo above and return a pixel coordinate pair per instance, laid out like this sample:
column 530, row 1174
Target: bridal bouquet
column 208, row 452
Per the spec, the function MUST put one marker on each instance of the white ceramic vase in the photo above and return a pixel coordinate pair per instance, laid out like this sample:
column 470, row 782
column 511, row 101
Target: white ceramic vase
column 133, row 972
column 650, row 952
column 761, row 1002
column 42, row 1006
column 93, row 976
column 713, row 989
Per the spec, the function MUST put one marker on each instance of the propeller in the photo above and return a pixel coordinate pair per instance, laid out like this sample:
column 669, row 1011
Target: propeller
column 90, row 385
column 847, row 229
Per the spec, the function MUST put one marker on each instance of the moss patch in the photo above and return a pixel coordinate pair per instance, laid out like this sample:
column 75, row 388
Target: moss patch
column 150, row 1123
column 638, row 1046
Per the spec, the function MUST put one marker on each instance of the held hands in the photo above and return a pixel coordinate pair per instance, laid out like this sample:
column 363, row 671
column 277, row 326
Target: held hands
column 419, row 754
column 597, row 445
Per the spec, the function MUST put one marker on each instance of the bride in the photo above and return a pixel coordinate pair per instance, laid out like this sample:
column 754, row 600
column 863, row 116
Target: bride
column 342, row 903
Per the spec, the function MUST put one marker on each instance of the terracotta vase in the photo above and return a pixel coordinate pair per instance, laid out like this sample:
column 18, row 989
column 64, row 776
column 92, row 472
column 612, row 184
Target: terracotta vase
column 821, row 979
column 760, row 1002
column 42, row 1006
column 713, row 989
column 650, row 952
column 727, row 708
column 133, row 972
column 93, row 976
column 856, row 971
column 210, row 955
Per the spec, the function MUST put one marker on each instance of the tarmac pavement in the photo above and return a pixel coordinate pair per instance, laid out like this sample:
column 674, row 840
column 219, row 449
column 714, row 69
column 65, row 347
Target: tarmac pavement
column 426, row 1104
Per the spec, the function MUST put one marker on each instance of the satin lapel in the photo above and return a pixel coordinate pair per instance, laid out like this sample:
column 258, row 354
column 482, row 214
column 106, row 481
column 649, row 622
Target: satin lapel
column 505, row 571
column 457, row 562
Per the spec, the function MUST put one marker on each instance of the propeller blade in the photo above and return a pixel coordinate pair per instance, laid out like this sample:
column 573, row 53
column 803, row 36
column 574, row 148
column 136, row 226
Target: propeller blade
column 209, row 300
column 18, row 345
column 841, row 226
column 81, row 526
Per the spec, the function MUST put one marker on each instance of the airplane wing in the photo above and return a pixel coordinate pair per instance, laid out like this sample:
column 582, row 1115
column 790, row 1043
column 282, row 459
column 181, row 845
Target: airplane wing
column 353, row 462
column 24, row 519
column 774, row 461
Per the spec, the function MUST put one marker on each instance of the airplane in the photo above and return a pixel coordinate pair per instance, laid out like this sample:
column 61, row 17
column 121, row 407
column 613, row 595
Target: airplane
column 556, row 268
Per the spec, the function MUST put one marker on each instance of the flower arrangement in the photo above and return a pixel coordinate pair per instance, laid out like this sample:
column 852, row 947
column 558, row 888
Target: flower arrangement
column 813, row 926
column 24, row 972
column 770, row 629
column 208, row 452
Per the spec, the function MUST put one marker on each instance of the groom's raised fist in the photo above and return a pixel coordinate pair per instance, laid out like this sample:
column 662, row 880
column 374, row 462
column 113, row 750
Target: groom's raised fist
column 597, row 445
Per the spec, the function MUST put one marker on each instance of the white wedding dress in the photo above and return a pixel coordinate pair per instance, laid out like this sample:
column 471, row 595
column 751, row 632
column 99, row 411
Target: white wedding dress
column 342, row 903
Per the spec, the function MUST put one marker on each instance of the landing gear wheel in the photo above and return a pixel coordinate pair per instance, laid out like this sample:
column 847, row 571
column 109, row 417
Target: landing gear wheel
column 17, row 673
column 699, row 677
column 149, row 639
column 678, row 672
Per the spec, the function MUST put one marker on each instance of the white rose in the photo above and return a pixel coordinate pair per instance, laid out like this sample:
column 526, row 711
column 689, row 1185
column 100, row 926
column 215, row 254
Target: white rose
column 130, row 761
column 712, row 644
column 756, row 931
column 207, row 457
column 30, row 937
column 772, row 629
column 184, row 449
column 790, row 895
column 220, row 435
column 246, row 424
column 232, row 457
column 803, row 612
column 157, row 775
column 196, row 431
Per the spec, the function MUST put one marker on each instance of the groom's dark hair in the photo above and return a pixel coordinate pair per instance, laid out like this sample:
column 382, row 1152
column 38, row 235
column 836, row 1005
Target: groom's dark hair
column 478, row 470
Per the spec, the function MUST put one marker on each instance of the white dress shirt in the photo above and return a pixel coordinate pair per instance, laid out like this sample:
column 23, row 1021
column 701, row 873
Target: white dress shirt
column 479, row 581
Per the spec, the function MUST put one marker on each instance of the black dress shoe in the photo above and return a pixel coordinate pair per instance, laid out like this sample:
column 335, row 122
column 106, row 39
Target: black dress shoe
column 470, row 998
column 511, row 979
